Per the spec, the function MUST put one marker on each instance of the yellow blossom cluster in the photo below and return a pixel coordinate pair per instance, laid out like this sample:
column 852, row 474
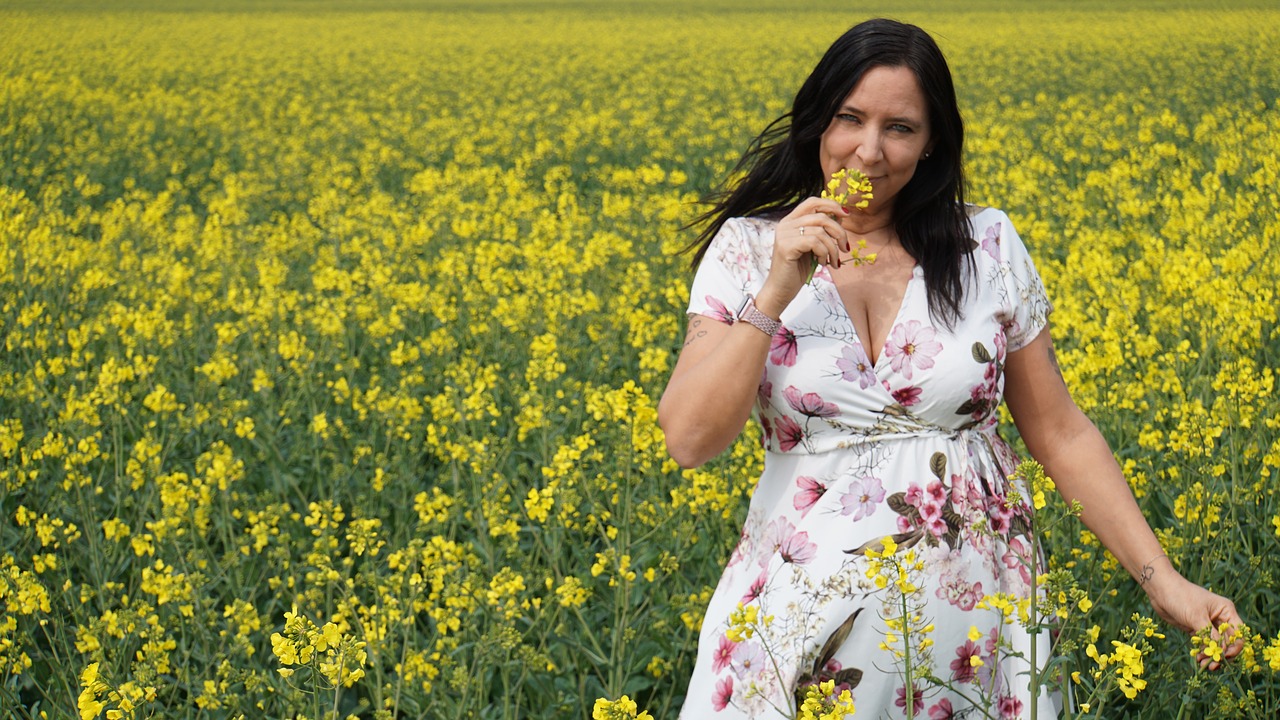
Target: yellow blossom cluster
column 624, row 708
column 745, row 622
column 822, row 703
column 337, row 657
column 121, row 703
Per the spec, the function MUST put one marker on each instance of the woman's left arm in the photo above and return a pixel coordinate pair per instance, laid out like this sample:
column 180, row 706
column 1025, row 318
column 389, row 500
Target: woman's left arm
column 1073, row 452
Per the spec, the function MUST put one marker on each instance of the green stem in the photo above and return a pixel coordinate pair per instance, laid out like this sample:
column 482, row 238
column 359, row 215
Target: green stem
column 908, row 692
column 337, row 684
column 1033, row 617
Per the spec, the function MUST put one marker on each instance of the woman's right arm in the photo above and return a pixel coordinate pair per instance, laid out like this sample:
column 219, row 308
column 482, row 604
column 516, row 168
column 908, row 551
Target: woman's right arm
column 713, row 386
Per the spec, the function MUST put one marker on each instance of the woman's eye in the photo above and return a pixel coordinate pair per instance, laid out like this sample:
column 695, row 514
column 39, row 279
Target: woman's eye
column 847, row 117
column 898, row 127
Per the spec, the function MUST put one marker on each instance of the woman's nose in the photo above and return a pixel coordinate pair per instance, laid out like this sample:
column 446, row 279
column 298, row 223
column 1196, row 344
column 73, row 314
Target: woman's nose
column 870, row 148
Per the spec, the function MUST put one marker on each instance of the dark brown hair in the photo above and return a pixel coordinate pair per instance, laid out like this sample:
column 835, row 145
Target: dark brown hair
column 781, row 165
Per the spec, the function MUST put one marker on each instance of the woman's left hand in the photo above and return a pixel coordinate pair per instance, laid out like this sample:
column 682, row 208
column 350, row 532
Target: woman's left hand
column 1193, row 609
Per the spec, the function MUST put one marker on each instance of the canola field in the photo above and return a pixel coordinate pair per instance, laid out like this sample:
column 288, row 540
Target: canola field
column 331, row 337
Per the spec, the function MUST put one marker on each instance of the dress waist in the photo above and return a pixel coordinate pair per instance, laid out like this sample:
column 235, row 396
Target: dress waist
column 976, row 438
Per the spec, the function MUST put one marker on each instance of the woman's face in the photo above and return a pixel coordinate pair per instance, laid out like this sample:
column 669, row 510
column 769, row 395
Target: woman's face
column 882, row 129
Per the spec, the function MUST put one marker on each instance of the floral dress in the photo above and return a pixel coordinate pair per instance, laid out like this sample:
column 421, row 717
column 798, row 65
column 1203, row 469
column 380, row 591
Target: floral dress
column 856, row 451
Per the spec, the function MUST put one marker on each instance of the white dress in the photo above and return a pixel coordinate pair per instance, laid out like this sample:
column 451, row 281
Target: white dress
column 855, row 452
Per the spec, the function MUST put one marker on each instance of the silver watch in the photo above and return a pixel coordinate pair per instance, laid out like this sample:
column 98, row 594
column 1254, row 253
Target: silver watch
column 749, row 313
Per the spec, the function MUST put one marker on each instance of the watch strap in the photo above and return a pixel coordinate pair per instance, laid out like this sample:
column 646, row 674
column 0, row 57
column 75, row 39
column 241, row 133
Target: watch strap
column 751, row 315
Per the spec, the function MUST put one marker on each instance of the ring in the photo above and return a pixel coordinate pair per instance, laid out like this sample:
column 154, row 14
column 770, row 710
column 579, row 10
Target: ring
column 801, row 229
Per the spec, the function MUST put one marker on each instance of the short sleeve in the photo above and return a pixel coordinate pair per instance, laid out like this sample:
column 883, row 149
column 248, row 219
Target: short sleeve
column 725, row 275
column 1025, row 305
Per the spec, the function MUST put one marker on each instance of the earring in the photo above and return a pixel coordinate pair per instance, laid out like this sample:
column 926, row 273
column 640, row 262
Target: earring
column 925, row 156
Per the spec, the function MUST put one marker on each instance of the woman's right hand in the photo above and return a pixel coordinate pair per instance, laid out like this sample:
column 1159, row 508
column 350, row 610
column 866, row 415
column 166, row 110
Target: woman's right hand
column 714, row 383
column 809, row 233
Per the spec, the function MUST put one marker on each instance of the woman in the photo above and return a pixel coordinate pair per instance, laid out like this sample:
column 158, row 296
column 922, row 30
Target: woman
column 876, row 385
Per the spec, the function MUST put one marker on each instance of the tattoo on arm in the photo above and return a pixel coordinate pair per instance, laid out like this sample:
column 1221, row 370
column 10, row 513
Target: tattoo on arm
column 1053, row 360
column 1148, row 570
column 1145, row 575
column 694, row 332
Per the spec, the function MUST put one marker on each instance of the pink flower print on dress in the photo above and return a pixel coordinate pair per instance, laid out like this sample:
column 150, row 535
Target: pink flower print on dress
column 723, row 654
column 999, row 516
column 966, row 495
column 810, row 404
column 931, row 504
column 765, row 391
column 936, row 492
column 914, row 495
column 1018, row 557
column 931, row 515
column 789, row 433
column 748, row 657
column 797, row 549
column 957, row 591
column 757, row 587
column 917, row 697
column 907, row 396
column 912, row 345
column 774, row 536
column 991, row 241
column 782, row 348
column 723, row 693
column 962, row 668
column 720, row 312
column 854, row 365
column 810, row 492
column 861, row 498
column 942, row 711
column 1010, row 707
column 993, row 642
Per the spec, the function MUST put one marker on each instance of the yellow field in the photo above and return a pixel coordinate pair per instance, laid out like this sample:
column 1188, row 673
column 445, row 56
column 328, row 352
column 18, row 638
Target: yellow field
column 332, row 337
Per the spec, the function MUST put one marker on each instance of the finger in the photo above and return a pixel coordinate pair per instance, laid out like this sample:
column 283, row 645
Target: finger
column 825, row 250
column 1234, row 638
column 818, row 205
column 838, row 233
column 1225, row 620
column 817, row 238
column 833, row 247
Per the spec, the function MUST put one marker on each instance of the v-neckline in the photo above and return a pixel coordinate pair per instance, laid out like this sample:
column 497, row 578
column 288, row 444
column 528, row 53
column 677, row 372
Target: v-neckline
column 897, row 317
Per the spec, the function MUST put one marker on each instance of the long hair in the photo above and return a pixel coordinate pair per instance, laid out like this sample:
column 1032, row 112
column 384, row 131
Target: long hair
column 780, row 167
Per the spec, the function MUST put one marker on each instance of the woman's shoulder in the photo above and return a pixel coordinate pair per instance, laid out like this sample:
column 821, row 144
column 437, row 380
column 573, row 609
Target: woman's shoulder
column 754, row 224
column 995, row 241
column 982, row 217
column 744, row 245
column 746, row 232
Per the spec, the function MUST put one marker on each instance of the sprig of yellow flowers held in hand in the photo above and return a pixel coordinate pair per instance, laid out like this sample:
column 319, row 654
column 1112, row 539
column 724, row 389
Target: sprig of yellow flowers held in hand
column 844, row 185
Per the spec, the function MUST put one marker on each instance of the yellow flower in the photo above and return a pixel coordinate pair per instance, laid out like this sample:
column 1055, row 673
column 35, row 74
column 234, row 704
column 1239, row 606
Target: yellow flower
column 624, row 708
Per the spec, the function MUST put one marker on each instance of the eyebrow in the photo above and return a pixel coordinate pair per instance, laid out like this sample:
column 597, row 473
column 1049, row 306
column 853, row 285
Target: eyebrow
column 898, row 119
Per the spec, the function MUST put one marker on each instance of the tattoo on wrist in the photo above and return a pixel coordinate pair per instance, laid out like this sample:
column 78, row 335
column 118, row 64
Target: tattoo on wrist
column 1146, row 574
column 1148, row 570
